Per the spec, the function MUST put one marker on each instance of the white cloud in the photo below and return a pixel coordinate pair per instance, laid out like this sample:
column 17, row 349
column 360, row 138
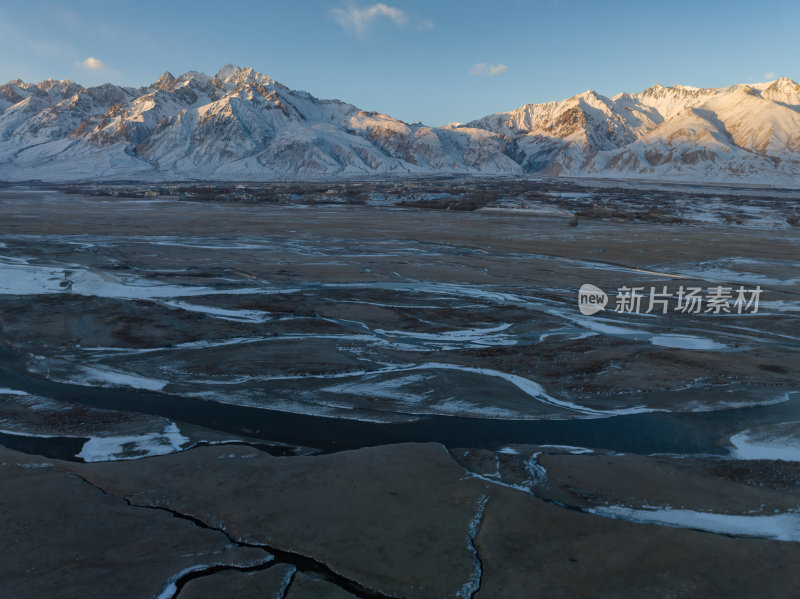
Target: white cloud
column 92, row 63
column 770, row 75
column 482, row 68
column 425, row 25
column 358, row 20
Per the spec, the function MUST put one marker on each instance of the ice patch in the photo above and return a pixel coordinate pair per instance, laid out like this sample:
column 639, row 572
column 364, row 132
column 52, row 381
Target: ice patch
column 390, row 389
column 537, row 472
column 285, row 582
column 474, row 583
column 106, row 377
column 508, row 451
column 780, row 527
column 445, row 289
column 453, row 406
column 36, row 404
column 223, row 313
column 608, row 329
column 20, row 278
column 569, row 448
column 170, row 590
column 22, row 434
column 205, row 344
column 725, row 270
column 7, row 391
column 686, row 342
column 750, row 446
column 478, row 337
column 699, row 406
column 778, row 306
column 103, row 449
column 527, row 386
column 599, row 325
column 533, row 389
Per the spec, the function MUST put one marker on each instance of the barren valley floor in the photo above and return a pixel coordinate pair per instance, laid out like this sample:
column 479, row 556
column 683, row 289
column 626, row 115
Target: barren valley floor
column 397, row 397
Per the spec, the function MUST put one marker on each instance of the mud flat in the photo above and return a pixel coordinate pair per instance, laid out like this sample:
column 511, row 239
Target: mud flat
column 397, row 401
column 402, row 520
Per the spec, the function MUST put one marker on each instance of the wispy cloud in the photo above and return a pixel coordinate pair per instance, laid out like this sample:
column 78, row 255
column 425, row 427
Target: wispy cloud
column 17, row 39
column 92, row 64
column 482, row 68
column 770, row 75
column 358, row 20
column 425, row 24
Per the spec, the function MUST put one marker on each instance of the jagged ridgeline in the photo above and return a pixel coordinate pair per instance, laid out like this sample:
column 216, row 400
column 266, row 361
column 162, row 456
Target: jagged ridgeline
column 240, row 124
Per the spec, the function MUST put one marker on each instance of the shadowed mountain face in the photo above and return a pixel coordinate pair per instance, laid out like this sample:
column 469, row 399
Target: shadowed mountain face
column 241, row 124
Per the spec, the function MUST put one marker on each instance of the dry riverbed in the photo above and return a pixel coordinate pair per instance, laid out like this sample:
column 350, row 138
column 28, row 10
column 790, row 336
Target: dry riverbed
column 330, row 400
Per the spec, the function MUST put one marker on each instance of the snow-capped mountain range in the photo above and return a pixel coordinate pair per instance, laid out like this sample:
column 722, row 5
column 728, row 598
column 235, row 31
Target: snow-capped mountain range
column 242, row 125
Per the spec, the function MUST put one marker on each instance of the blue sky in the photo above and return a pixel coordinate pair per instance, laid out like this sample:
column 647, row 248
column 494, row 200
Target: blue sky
column 426, row 61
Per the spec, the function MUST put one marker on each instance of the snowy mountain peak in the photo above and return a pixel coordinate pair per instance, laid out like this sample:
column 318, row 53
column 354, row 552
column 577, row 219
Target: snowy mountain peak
column 48, row 84
column 589, row 94
column 166, row 81
column 60, row 87
column 194, row 79
column 241, row 124
column 782, row 90
column 231, row 77
column 227, row 72
column 657, row 90
column 784, row 84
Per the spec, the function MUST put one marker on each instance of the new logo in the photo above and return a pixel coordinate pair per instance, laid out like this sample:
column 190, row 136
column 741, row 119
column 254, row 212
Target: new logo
column 591, row 299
